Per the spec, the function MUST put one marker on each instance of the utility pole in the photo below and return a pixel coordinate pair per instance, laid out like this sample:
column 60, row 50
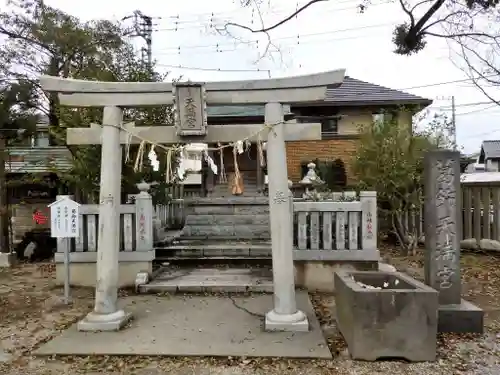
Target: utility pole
column 452, row 131
column 454, row 122
column 143, row 28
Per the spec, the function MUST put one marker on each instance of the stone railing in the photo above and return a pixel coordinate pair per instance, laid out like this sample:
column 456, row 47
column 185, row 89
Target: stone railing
column 344, row 228
column 136, row 231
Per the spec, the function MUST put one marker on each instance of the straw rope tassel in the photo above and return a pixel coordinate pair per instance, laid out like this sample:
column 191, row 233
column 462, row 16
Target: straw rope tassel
column 127, row 147
column 140, row 157
column 168, row 168
column 237, row 174
column 237, row 188
column 260, row 152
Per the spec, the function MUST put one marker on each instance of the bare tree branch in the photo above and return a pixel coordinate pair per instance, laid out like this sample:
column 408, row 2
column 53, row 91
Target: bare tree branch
column 473, row 24
column 269, row 41
column 419, row 4
column 278, row 24
column 477, row 74
column 408, row 12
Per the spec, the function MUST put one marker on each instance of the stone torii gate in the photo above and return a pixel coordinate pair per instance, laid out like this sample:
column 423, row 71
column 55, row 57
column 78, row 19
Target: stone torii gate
column 190, row 101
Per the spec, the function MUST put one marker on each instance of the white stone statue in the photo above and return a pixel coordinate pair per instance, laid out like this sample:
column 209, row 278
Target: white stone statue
column 311, row 177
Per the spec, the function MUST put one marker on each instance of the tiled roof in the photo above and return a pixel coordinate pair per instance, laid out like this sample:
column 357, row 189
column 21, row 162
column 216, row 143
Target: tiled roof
column 38, row 159
column 351, row 92
column 354, row 91
column 490, row 149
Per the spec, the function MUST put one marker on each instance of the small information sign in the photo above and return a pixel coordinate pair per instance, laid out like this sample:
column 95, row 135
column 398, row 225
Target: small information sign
column 64, row 225
column 64, row 216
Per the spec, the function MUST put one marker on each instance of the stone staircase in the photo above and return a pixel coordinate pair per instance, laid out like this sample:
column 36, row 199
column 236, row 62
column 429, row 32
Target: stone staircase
column 222, row 229
column 233, row 219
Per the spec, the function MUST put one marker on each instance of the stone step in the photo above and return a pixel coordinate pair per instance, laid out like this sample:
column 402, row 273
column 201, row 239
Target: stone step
column 250, row 180
column 252, row 183
column 236, row 219
column 223, row 250
column 210, row 280
column 232, row 201
column 251, row 209
column 224, row 189
column 226, row 194
column 237, row 232
column 223, row 193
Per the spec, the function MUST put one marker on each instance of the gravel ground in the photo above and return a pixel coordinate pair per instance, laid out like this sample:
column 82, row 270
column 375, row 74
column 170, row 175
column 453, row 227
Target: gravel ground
column 31, row 313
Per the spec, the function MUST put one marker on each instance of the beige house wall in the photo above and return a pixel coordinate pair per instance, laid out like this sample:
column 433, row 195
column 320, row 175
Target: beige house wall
column 342, row 147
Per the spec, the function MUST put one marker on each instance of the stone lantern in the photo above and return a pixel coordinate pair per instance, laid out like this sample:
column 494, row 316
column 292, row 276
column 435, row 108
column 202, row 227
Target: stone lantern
column 311, row 179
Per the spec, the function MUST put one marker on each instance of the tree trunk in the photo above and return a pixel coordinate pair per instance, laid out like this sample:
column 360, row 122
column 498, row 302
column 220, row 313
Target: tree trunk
column 4, row 208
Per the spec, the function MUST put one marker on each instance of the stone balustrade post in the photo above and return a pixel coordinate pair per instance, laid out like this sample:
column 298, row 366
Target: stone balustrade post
column 144, row 213
column 368, row 219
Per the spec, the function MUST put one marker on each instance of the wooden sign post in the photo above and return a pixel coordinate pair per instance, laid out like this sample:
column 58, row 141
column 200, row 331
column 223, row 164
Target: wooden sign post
column 64, row 224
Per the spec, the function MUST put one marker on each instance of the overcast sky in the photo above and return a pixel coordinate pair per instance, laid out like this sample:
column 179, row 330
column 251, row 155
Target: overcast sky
column 325, row 37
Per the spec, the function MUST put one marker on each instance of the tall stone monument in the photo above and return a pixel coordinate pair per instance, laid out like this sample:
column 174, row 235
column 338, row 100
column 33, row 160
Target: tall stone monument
column 443, row 232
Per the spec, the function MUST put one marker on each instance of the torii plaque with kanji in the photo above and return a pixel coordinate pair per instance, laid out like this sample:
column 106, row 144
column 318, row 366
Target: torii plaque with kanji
column 190, row 112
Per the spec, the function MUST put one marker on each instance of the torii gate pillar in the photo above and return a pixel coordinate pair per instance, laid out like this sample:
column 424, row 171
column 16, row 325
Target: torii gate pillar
column 284, row 316
column 106, row 316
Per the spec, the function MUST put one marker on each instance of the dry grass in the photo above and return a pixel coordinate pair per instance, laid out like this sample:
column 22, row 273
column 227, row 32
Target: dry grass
column 31, row 313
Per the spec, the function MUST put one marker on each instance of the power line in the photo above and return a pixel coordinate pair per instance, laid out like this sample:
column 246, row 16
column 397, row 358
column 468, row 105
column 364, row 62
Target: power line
column 298, row 38
column 463, row 105
column 478, row 110
column 237, row 47
column 239, row 9
column 212, row 17
column 484, row 134
column 279, row 48
column 215, row 69
column 434, row 85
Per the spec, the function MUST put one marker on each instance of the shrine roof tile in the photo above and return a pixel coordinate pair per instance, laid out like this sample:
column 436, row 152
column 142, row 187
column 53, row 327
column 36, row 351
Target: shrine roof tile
column 354, row 91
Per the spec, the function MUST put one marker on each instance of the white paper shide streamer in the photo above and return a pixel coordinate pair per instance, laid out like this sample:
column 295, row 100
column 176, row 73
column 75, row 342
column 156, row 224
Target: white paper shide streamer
column 153, row 158
column 189, row 164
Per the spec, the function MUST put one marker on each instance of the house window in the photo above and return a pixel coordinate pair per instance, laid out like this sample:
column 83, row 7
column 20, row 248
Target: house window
column 329, row 127
column 381, row 117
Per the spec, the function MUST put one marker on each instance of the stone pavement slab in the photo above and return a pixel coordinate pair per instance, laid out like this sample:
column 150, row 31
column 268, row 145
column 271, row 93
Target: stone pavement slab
column 196, row 326
column 211, row 280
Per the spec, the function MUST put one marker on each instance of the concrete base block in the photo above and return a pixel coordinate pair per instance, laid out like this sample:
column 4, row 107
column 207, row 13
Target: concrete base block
column 109, row 322
column 8, row 260
column 85, row 274
column 297, row 322
column 461, row 318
